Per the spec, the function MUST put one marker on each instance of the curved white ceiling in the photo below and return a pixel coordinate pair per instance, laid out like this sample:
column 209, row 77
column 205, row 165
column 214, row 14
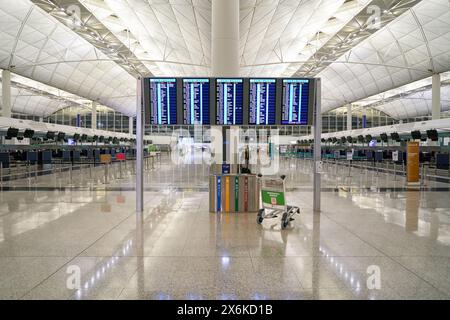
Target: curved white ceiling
column 172, row 37
column 414, row 46
column 37, row 46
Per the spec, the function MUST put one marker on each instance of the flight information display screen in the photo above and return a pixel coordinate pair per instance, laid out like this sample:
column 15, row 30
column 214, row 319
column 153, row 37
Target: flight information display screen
column 229, row 101
column 295, row 106
column 163, row 101
column 196, row 101
column 262, row 101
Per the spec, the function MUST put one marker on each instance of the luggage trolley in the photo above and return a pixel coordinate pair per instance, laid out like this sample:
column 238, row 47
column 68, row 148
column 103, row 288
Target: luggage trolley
column 274, row 201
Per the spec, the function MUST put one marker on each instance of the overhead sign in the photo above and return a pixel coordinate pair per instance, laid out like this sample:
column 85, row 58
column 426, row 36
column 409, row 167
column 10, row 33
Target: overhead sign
column 229, row 98
column 163, row 101
column 228, row 101
column 295, row 107
column 196, row 101
column 262, row 108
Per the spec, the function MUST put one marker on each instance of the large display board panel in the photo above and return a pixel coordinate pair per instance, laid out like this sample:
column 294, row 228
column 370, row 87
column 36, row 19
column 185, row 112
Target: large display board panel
column 229, row 101
column 196, row 98
column 296, row 107
column 163, row 101
column 262, row 105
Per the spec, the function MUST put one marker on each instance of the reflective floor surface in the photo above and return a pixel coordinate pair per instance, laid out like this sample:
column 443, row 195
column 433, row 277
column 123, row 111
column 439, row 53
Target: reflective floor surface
column 374, row 239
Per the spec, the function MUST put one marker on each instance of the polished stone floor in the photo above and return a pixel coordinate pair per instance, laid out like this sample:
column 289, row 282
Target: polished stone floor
column 374, row 239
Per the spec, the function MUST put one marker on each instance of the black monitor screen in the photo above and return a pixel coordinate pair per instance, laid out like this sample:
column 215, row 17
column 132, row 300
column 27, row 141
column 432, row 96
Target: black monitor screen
column 163, row 101
column 295, row 106
column 12, row 133
column 196, row 101
column 262, row 101
column 432, row 135
column 229, row 100
column 395, row 136
column 416, row 134
column 28, row 133
column 50, row 135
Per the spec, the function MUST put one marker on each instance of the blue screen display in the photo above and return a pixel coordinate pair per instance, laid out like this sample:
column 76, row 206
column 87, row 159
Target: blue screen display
column 163, row 101
column 196, row 101
column 262, row 101
column 295, row 101
column 229, row 101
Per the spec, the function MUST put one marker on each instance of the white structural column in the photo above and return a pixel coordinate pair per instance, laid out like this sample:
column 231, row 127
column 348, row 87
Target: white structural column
column 6, row 93
column 94, row 115
column 41, row 119
column 349, row 116
column 130, row 125
column 435, row 96
column 225, row 38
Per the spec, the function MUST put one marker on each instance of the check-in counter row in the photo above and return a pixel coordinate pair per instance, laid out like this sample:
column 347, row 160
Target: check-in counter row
column 8, row 159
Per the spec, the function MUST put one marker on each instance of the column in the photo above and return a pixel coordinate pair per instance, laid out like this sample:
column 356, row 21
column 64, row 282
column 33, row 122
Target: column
column 94, row 115
column 6, row 93
column 41, row 119
column 436, row 96
column 349, row 116
column 225, row 38
column 130, row 125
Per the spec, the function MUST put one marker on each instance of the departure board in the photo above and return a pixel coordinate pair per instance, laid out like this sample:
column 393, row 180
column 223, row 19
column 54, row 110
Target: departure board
column 196, row 101
column 163, row 101
column 229, row 100
column 295, row 106
column 262, row 101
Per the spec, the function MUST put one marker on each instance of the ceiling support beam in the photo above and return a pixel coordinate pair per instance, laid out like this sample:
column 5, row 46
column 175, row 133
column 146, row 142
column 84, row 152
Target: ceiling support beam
column 77, row 17
column 362, row 26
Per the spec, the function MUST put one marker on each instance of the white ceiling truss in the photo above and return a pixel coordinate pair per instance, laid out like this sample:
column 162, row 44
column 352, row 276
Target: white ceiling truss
column 96, row 48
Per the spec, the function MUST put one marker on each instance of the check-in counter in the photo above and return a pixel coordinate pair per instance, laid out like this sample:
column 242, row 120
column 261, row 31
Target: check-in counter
column 233, row 193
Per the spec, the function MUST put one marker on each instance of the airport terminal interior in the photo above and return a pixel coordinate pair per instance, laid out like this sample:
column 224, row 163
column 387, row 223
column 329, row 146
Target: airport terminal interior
column 225, row 149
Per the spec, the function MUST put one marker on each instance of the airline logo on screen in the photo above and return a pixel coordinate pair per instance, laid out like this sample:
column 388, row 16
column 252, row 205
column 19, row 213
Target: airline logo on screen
column 295, row 106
